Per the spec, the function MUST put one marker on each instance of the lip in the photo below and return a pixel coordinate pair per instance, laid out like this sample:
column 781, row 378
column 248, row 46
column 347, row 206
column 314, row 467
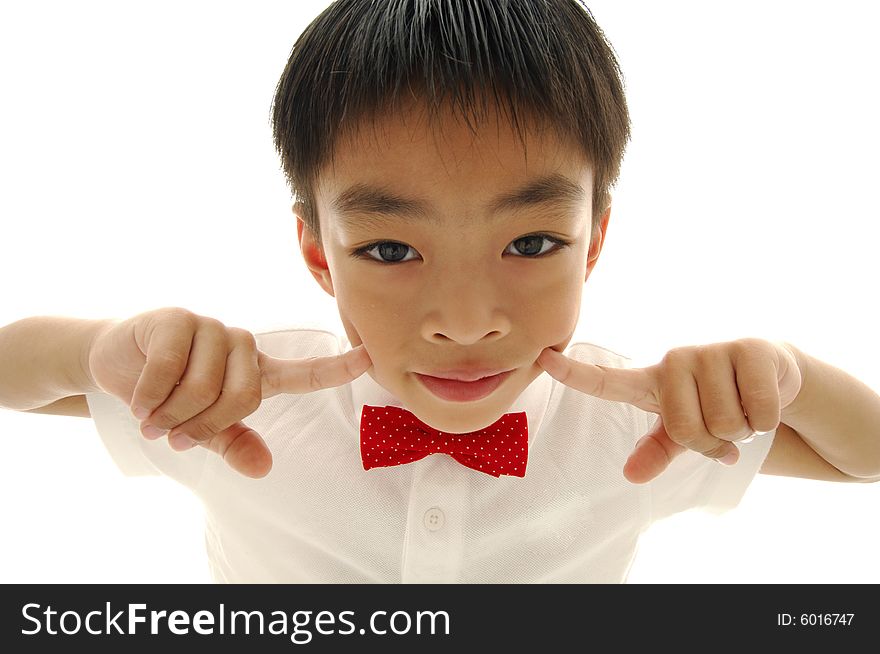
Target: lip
column 454, row 390
column 465, row 374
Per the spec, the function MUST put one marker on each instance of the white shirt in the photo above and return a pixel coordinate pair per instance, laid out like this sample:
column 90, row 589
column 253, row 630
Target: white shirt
column 319, row 517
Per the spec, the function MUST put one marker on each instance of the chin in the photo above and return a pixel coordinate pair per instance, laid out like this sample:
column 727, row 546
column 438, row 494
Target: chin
column 461, row 417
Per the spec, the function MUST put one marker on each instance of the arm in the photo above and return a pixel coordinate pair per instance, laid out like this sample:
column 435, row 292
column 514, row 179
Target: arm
column 75, row 406
column 836, row 417
column 44, row 359
column 707, row 395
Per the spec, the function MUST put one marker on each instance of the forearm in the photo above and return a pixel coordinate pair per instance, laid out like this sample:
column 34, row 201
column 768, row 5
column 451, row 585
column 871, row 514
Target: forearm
column 43, row 359
column 838, row 416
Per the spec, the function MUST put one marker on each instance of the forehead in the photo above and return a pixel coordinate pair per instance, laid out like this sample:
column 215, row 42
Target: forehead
column 414, row 160
column 410, row 129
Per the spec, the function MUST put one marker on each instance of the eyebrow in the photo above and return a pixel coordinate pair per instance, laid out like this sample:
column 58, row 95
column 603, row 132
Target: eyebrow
column 377, row 206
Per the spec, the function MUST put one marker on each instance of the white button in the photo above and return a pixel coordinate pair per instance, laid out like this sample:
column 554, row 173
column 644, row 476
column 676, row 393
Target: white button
column 434, row 519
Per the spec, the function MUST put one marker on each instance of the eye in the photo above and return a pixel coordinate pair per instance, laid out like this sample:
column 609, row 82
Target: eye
column 388, row 251
column 532, row 246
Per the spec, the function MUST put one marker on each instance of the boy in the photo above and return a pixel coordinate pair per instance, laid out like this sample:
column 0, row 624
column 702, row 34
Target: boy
column 432, row 219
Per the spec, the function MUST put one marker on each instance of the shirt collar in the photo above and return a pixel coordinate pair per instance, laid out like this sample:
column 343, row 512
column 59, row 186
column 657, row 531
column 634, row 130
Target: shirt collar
column 534, row 400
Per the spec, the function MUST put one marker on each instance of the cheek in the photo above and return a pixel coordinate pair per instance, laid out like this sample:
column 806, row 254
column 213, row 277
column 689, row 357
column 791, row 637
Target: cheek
column 375, row 321
column 375, row 304
column 550, row 314
column 356, row 297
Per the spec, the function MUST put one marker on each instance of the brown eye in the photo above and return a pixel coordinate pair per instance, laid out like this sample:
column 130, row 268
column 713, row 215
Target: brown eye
column 532, row 246
column 392, row 252
column 536, row 245
column 388, row 252
column 529, row 245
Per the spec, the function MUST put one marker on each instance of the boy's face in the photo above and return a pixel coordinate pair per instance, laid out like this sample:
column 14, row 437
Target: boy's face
column 464, row 289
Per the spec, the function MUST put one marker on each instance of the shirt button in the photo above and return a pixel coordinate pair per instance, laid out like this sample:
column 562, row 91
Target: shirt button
column 434, row 519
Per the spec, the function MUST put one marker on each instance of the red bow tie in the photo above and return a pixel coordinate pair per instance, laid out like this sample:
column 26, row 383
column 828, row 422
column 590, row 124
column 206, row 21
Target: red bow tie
column 391, row 436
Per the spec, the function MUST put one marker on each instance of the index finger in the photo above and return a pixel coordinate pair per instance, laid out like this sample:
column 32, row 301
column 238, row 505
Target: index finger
column 312, row 374
column 631, row 385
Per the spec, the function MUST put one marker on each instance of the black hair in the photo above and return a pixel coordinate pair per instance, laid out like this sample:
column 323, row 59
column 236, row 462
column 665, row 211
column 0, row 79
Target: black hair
column 544, row 59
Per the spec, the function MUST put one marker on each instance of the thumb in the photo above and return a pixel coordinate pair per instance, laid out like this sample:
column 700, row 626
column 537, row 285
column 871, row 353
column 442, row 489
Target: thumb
column 243, row 449
column 652, row 455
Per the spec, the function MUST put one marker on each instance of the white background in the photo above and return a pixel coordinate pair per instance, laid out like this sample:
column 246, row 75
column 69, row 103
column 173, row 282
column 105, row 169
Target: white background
column 138, row 172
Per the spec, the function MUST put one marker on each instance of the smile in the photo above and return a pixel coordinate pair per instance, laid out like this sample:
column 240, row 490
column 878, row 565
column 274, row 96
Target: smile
column 461, row 391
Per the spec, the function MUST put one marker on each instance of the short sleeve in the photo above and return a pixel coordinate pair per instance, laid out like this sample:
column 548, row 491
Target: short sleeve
column 133, row 454
column 136, row 456
column 693, row 481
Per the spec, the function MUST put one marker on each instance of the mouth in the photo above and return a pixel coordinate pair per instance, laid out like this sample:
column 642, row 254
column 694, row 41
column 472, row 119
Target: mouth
column 456, row 390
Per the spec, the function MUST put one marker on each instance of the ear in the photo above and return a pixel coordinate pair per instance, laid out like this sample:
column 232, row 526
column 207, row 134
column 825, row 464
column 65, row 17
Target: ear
column 597, row 240
column 313, row 254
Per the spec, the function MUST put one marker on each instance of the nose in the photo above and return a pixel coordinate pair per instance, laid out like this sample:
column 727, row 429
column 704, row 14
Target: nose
column 467, row 309
column 466, row 334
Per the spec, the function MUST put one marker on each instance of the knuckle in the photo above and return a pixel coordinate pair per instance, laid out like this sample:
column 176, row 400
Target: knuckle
column 682, row 429
column 165, row 419
column 716, row 452
column 173, row 361
column 269, row 384
column 678, row 356
column 762, row 414
column 252, row 396
column 703, row 352
column 314, row 378
column 603, row 380
column 203, row 391
column 244, row 336
column 725, row 426
column 175, row 314
column 750, row 345
column 241, row 401
column 209, row 322
column 759, row 397
column 202, row 429
column 763, row 422
column 151, row 396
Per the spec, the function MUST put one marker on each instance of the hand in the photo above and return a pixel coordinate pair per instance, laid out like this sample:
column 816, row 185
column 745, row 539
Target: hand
column 706, row 395
column 196, row 378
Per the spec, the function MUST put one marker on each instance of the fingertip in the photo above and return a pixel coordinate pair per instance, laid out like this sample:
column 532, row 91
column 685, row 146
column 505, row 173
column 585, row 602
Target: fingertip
column 647, row 460
column 730, row 458
column 263, row 470
column 634, row 474
column 551, row 363
column 362, row 359
column 363, row 354
column 547, row 352
column 180, row 442
column 250, row 455
column 140, row 412
column 638, row 468
column 258, row 467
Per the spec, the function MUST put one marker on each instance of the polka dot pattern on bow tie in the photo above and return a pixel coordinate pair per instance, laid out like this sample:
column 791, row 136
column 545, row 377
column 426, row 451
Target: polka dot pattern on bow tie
column 393, row 436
